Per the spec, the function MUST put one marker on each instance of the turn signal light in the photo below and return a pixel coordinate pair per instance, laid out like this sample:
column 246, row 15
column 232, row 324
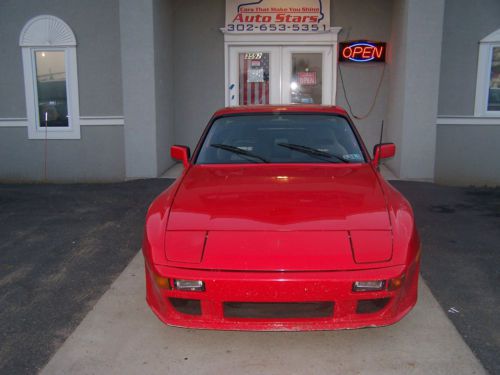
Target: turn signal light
column 162, row 282
column 368, row 286
column 189, row 285
column 396, row 283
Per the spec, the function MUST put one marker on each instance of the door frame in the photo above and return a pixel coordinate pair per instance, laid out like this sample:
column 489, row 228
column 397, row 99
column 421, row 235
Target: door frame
column 328, row 38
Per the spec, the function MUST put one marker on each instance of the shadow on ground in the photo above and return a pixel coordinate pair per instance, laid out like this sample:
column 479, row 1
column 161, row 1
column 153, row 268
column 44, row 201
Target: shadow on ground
column 62, row 247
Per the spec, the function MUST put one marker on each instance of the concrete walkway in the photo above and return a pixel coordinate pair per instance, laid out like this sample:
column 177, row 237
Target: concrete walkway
column 176, row 170
column 387, row 173
column 122, row 336
column 173, row 172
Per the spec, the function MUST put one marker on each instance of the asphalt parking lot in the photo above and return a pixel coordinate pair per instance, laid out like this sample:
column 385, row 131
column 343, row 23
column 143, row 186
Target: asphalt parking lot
column 460, row 231
column 63, row 246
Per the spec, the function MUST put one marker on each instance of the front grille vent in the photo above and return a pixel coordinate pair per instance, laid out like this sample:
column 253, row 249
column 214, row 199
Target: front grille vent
column 278, row 310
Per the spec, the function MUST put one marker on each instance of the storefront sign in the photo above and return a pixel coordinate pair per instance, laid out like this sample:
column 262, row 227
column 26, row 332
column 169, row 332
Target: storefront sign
column 255, row 75
column 277, row 16
column 362, row 51
column 306, row 78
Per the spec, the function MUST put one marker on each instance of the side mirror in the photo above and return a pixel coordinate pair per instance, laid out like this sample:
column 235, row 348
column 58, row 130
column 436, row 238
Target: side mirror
column 383, row 151
column 181, row 153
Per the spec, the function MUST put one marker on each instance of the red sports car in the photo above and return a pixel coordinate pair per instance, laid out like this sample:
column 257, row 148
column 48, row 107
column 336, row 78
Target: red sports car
column 281, row 221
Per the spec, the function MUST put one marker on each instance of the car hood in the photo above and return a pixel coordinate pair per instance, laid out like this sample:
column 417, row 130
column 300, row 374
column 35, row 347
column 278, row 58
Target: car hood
column 279, row 198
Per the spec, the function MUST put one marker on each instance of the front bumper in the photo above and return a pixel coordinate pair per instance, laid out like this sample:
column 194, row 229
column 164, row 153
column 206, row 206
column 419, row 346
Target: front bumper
column 278, row 287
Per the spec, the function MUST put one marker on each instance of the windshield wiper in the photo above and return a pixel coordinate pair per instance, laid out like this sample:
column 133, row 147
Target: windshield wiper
column 313, row 152
column 239, row 151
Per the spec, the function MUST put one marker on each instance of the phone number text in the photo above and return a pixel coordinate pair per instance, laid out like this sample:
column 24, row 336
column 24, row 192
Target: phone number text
column 280, row 27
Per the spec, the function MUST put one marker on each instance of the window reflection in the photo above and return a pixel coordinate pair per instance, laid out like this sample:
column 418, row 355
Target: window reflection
column 51, row 88
column 494, row 90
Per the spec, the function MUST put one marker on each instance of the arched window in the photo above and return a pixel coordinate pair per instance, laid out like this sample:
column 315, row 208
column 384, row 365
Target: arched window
column 488, row 77
column 50, row 77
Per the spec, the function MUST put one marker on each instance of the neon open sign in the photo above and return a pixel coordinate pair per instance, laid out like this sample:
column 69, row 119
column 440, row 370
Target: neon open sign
column 362, row 51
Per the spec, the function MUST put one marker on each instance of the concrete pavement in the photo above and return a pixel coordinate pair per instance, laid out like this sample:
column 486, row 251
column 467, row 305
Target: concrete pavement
column 121, row 335
column 175, row 171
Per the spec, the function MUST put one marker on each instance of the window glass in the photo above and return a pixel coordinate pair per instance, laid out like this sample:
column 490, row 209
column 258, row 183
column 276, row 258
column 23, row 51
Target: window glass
column 51, row 88
column 494, row 87
column 254, row 78
column 306, row 85
column 280, row 138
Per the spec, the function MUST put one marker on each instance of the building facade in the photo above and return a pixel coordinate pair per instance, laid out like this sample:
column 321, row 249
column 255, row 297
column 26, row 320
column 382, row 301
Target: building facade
column 99, row 90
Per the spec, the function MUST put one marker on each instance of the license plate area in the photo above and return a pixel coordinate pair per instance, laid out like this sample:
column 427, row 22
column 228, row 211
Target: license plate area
column 278, row 310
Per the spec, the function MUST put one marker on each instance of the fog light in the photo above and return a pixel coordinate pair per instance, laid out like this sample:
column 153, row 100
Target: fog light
column 368, row 286
column 189, row 285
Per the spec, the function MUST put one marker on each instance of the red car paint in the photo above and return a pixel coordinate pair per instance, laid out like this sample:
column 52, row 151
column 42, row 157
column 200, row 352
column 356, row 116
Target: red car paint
column 281, row 233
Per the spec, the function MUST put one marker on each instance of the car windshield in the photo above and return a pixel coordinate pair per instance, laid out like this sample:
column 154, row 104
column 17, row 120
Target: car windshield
column 280, row 138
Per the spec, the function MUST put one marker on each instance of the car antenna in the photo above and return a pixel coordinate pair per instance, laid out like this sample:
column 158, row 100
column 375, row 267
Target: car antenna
column 380, row 140
column 381, row 131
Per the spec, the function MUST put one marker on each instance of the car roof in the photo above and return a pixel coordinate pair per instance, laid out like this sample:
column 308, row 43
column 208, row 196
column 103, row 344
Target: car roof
column 290, row 108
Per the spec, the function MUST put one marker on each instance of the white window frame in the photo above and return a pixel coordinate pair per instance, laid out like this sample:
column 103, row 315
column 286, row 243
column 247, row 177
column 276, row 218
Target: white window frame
column 49, row 33
column 483, row 75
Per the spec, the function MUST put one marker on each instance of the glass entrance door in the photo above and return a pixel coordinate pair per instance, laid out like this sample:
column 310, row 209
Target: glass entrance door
column 254, row 75
column 280, row 75
column 307, row 75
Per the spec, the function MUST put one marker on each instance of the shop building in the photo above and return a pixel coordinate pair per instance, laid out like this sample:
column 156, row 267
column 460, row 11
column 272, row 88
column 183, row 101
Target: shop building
column 99, row 90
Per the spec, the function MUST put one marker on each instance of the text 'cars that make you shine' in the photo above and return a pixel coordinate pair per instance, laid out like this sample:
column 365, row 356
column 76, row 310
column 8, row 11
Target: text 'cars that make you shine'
column 281, row 221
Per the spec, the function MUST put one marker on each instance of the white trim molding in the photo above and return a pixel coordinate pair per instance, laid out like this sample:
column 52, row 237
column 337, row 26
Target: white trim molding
column 327, row 37
column 486, row 46
column 468, row 120
column 84, row 121
column 13, row 122
column 45, row 34
column 494, row 37
column 47, row 30
column 102, row 121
